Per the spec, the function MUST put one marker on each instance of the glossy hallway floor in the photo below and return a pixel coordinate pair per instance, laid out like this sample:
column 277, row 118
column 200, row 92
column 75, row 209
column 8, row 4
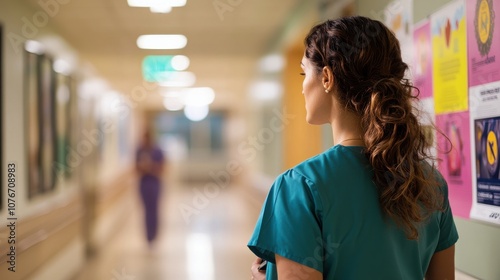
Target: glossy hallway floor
column 211, row 246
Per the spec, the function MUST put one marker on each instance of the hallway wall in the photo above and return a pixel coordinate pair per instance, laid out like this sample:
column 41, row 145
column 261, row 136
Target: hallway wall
column 301, row 140
column 46, row 229
column 475, row 253
column 55, row 227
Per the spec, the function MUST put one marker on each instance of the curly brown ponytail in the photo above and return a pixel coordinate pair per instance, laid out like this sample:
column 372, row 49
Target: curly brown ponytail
column 365, row 59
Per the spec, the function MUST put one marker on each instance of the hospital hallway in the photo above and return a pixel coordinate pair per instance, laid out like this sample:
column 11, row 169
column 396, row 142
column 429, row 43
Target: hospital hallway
column 99, row 99
column 207, row 245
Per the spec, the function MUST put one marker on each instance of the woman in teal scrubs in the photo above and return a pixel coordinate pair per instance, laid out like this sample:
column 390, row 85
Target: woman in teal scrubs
column 372, row 206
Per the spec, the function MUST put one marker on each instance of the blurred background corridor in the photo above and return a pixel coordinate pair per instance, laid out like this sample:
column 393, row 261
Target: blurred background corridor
column 81, row 81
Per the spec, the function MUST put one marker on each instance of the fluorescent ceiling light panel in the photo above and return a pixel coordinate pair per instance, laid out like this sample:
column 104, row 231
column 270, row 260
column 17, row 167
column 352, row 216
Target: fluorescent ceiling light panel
column 161, row 42
column 173, row 103
column 139, row 3
column 177, row 3
column 193, row 97
column 161, row 8
column 198, row 97
column 150, row 3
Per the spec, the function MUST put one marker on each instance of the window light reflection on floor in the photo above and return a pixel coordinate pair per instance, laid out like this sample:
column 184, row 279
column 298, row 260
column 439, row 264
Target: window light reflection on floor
column 200, row 260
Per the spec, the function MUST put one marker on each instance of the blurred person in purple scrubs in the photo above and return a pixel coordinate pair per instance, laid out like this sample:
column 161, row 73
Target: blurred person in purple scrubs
column 149, row 165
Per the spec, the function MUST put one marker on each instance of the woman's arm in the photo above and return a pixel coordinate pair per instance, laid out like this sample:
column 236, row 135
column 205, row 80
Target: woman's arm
column 442, row 266
column 290, row 270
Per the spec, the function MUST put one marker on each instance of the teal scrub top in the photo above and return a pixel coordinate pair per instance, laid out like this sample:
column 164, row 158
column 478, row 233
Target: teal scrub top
column 325, row 214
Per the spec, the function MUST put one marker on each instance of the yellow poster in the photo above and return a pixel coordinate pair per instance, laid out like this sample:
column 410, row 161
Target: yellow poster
column 449, row 46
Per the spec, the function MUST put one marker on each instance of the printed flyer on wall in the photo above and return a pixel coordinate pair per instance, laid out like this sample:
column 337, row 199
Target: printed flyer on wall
column 422, row 57
column 449, row 51
column 485, row 133
column 455, row 164
column 421, row 70
column 399, row 18
column 484, row 99
column 483, row 41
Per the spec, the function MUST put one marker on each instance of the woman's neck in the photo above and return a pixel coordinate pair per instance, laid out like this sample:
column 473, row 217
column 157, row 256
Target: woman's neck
column 346, row 129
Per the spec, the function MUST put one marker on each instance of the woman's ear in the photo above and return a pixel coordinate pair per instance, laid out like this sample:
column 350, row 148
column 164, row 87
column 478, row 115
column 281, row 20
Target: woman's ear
column 327, row 78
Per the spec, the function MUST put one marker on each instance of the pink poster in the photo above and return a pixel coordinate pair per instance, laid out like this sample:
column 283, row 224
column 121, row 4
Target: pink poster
column 455, row 164
column 422, row 65
column 483, row 41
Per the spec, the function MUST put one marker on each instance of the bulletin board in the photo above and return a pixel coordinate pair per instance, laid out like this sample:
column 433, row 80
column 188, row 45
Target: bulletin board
column 484, row 99
column 448, row 28
column 462, row 85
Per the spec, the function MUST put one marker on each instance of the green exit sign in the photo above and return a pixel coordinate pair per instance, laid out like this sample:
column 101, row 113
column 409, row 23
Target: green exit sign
column 154, row 67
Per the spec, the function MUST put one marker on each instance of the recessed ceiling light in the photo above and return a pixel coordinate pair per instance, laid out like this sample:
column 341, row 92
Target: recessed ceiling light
column 62, row 67
column 272, row 63
column 34, row 47
column 180, row 62
column 161, row 42
column 196, row 113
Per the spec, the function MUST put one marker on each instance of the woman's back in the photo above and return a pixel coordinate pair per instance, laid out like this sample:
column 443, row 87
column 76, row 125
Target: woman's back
column 343, row 232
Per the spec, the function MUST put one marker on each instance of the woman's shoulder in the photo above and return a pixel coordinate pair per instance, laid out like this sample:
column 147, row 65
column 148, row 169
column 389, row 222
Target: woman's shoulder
column 330, row 160
column 324, row 166
column 293, row 174
column 431, row 171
